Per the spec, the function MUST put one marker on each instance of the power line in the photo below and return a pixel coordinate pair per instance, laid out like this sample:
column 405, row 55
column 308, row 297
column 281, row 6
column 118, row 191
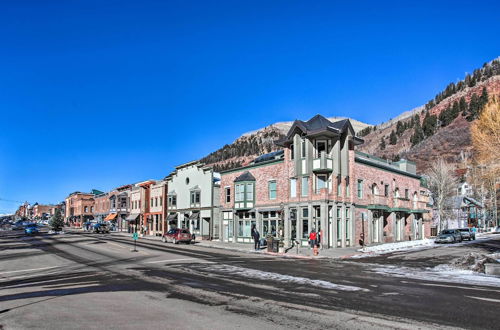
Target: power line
column 9, row 200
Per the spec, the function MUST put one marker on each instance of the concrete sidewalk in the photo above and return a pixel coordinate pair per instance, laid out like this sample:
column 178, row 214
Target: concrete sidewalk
column 301, row 252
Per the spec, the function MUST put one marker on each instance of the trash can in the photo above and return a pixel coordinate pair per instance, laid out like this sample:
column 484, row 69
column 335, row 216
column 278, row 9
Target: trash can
column 273, row 244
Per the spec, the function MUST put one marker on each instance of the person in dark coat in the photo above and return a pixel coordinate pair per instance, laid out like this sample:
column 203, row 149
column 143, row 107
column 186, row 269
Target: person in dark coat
column 256, row 238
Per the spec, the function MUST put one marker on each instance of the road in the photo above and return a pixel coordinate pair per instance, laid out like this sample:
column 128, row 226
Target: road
column 82, row 281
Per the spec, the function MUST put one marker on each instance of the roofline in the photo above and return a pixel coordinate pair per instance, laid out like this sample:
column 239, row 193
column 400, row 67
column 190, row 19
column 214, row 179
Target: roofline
column 261, row 164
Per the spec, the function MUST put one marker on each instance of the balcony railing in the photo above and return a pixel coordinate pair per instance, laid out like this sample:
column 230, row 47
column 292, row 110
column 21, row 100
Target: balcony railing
column 322, row 164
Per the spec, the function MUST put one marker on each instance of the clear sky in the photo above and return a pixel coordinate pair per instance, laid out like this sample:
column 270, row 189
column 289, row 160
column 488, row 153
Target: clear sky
column 96, row 94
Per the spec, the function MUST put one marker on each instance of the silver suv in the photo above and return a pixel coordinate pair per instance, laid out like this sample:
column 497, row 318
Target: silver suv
column 449, row 236
column 467, row 233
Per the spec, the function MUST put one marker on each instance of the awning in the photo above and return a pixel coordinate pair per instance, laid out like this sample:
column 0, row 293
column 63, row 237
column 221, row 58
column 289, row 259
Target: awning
column 194, row 216
column 111, row 216
column 132, row 217
column 269, row 209
column 172, row 217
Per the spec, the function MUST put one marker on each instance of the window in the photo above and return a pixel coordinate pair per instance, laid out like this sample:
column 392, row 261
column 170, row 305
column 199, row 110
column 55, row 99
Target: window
column 320, row 147
column 245, row 228
column 292, row 152
column 156, row 201
column 139, row 204
column 272, row 189
column 347, row 187
column 303, row 148
column 320, row 182
column 172, row 200
column 239, row 192
column 293, row 188
column 360, row 189
column 228, row 194
column 86, row 209
column 386, row 190
column 91, row 209
column 249, row 192
column 339, row 186
column 305, row 222
column 161, row 199
column 305, row 186
column 339, row 222
column 406, row 193
column 195, row 197
column 151, row 202
column 347, row 223
column 293, row 218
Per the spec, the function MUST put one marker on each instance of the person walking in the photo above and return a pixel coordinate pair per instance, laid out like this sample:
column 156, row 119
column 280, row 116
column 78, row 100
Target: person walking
column 312, row 238
column 256, row 238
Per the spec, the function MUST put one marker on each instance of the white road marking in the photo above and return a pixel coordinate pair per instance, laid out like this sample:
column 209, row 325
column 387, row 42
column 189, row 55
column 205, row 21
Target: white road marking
column 485, row 299
column 28, row 270
column 169, row 260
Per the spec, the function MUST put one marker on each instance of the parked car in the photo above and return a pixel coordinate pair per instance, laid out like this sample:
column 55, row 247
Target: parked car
column 467, row 233
column 449, row 236
column 177, row 235
column 496, row 230
column 102, row 228
column 17, row 226
column 31, row 229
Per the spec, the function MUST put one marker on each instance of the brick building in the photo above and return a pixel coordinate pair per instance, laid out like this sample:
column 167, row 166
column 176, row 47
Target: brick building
column 41, row 212
column 101, row 207
column 80, row 207
column 119, row 207
column 319, row 182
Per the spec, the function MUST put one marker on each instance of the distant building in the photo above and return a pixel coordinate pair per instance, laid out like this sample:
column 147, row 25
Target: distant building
column 80, row 207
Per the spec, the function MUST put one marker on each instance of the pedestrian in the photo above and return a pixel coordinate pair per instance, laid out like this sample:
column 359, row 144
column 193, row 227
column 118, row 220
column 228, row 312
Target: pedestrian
column 256, row 237
column 312, row 238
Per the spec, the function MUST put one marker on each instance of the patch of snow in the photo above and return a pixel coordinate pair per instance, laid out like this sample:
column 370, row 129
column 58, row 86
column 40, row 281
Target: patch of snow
column 398, row 246
column 56, row 232
column 440, row 273
column 262, row 275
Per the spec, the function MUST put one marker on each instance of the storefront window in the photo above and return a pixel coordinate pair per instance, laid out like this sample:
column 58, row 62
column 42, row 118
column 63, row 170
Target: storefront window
column 305, row 222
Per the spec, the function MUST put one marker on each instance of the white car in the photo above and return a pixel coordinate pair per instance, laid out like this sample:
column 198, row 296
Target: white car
column 496, row 230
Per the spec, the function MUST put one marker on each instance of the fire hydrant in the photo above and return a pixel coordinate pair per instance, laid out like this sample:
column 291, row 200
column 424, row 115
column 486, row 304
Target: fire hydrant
column 315, row 250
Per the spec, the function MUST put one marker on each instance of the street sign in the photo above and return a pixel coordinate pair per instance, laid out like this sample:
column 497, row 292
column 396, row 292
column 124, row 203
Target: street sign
column 135, row 237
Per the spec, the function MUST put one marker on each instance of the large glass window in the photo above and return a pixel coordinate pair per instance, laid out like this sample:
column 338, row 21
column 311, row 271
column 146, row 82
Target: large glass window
column 320, row 182
column 320, row 147
column 293, row 188
column 272, row 189
column 339, row 222
column 239, row 192
column 293, row 220
column 245, row 228
column 305, row 222
column 305, row 186
column 347, row 224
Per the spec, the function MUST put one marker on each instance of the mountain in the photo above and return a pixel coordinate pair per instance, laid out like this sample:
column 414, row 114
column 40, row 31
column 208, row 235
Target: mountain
column 440, row 128
column 252, row 144
column 443, row 128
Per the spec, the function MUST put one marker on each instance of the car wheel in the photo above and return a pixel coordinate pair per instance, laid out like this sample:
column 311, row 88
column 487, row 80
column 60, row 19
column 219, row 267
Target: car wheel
column 163, row 239
column 174, row 241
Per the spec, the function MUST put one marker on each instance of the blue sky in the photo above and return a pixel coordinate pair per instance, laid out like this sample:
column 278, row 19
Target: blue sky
column 96, row 94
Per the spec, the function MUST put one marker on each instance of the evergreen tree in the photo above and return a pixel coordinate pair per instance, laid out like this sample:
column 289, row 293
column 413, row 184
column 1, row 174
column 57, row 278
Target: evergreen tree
column 382, row 144
column 418, row 134
column 393, row 139
column 473, row 108
column 56, row 222
column 429, row 124
column 462, row 104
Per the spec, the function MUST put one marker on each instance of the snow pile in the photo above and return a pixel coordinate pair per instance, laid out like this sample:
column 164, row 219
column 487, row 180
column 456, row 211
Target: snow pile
column 441, row 273
column 473, row 261
column 261, row 275
column 52, row 232
column 399, row 246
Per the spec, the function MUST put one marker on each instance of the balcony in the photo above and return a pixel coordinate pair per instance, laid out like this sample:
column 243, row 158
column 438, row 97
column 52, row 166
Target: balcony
column 323, row 164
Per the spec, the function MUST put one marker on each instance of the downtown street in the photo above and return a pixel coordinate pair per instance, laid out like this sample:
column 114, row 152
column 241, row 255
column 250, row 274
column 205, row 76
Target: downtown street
column 82, row 280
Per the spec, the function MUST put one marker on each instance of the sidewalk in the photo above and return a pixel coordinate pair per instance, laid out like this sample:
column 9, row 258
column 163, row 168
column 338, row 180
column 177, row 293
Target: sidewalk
column 303, row 252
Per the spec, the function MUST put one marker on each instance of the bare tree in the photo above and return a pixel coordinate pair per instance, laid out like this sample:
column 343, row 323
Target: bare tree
column 442, row 184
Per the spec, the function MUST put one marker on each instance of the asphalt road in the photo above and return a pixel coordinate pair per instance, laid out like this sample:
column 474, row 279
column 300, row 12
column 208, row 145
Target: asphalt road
column 83, row 281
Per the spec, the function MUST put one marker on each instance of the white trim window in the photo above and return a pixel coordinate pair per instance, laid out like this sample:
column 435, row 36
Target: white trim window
column 305, row 186
column 249, row 192
column 272, row 188
column 239, row 192
column 321, row 182
column 293, row 188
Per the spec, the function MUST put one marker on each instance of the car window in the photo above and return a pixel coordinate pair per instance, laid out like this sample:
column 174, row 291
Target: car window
column 185, row 232
column 447, row 232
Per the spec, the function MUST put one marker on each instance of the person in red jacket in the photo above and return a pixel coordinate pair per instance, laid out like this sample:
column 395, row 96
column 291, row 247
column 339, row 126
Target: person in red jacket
column 312, row 238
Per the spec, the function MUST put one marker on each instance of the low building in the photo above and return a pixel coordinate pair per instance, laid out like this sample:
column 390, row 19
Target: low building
column 80, row 207
column 193, row 200
column 119, row 204
column 101, row 207
column 157, row 208
column 41, row 212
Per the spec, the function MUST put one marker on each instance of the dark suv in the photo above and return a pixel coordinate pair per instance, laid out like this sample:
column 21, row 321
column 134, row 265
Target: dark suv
column 101, row 228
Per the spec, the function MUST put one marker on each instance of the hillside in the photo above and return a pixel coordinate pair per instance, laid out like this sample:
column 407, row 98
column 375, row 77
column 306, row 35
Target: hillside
column 252, row 144
column 440, row 128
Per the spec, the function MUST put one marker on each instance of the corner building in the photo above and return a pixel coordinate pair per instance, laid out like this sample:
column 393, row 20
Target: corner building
column 319, row 182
